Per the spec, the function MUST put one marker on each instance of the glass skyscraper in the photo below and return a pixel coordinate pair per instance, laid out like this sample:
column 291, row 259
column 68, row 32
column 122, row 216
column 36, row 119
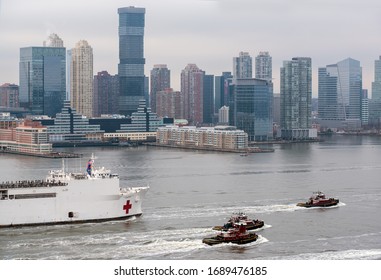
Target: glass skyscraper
column 42, row 79
column 252, row 108
column 376, row 85
column 340, row 91
column 131, row 58
column 208, row 99
column 221, row 90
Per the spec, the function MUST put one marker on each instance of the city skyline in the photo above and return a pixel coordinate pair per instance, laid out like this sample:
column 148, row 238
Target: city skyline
column 206, row 33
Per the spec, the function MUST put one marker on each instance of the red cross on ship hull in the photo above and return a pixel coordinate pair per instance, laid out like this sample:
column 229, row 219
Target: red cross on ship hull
column 127, row 206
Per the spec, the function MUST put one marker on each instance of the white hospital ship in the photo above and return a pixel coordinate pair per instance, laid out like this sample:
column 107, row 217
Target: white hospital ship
column 69, row 198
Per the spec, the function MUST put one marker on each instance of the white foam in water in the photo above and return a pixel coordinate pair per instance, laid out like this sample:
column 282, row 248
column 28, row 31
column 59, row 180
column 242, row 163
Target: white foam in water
column 161, row 247
column 208, row 211
column 340, row 255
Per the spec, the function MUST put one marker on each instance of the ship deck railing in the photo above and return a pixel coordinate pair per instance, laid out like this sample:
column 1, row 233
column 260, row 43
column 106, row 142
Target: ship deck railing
column 31, row 184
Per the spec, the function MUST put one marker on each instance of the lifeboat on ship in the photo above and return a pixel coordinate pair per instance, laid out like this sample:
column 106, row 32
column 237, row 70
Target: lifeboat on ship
column 240, row 219
column 318, row 199
column 235, row 235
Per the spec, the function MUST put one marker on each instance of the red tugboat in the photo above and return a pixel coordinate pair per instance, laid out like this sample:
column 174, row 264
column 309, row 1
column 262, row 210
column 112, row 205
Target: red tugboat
column 318, row 199
column 236, row 235
column 240, row 219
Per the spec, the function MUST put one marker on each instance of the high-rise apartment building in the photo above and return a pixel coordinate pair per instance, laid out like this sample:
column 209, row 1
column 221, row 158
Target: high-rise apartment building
column 243, row 66
column 192, row 90
column 252, row 108
column 168, row 104
column 106, row 91
column 221, row 90
column 223, row 115
column 296, row 97
column 340, row 91
column 9, row 95
column 364, row 108
column 131, row 59
column 81, row 79
column 263, row 66
column 42, row 79
column 54, row 41
column 376, row 85
column 160, row 80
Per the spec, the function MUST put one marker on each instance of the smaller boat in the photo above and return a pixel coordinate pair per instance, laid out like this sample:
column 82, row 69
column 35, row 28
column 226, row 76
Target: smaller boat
column 235, row 235
column 240, row 219
column 318, row 199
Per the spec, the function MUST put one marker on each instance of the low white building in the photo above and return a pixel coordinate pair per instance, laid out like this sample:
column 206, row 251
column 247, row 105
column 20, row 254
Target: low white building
column 219, row 137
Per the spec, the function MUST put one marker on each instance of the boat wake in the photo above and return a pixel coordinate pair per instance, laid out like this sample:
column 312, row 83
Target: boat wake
column 374, row 254
column 215, row 211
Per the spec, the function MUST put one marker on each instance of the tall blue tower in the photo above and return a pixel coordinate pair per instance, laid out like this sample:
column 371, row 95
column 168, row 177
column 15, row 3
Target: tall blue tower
column 131, row 59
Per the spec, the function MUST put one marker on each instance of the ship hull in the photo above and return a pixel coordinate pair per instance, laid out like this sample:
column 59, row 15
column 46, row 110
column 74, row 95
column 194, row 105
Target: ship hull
column 217, row 240
column 329, row 203
column 79, row 201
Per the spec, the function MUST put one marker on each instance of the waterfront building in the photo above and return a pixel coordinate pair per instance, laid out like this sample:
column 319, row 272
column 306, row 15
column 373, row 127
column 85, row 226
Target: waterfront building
column 340, row 94
column 227, row 138
column 252, row 108
column 9, row 95
column 375, row 113
column 42, row 79
column 7, row 121
column 106, row 91
column 70, row 126
column 160, row 80
column 110, row 123
column 131, row 59
column 263, row 66
column 223, row 115
column 192, row 90
column 221, row 90
column 168, row 104
column 25, row 137
column 81, row 79
column 296, row 98
column 208, row 98
column 243, row 66
column 376, row 85
column 143, row 120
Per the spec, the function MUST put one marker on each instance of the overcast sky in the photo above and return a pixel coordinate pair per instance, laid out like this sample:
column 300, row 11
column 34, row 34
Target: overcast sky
column 208, row 33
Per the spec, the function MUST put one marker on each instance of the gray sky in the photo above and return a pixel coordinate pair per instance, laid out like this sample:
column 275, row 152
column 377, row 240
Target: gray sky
column 208, row 33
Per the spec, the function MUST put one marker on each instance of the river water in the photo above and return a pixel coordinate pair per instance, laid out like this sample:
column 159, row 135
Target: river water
column 191, row 191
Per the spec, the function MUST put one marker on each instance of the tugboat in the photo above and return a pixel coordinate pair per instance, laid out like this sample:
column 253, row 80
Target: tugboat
column 318, row 199
column 236, row 235
column 240, row 219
